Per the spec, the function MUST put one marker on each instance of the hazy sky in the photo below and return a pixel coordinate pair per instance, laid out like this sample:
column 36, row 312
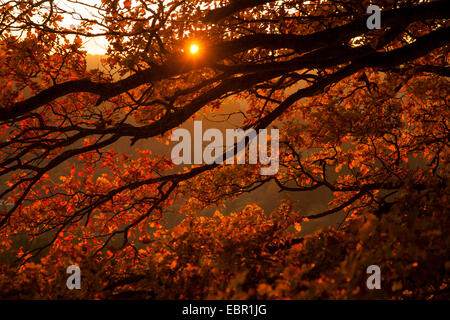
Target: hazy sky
column 97, row 45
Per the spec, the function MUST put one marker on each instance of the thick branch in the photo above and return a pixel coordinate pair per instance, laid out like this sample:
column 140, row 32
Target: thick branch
column 179, row 63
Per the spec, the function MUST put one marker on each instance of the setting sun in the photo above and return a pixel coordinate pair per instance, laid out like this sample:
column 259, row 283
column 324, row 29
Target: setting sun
column 239, row 151
column 194, row 48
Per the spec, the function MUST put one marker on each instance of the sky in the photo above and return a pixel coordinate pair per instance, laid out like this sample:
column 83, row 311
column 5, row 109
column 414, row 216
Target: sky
column 94, row 46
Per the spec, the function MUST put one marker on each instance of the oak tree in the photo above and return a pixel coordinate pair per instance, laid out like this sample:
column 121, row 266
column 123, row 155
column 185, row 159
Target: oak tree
column 362, row 113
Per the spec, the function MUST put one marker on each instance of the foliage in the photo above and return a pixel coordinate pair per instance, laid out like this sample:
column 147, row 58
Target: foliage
column 362, row 113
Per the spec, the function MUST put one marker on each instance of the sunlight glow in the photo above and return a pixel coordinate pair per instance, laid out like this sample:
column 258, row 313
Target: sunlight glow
column 194, row 48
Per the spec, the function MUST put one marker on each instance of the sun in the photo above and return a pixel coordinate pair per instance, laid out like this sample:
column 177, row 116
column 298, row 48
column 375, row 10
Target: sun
column 194, row 48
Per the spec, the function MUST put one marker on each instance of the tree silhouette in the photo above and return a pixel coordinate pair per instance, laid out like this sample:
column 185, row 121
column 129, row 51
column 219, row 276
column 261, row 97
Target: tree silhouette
column 362, row 113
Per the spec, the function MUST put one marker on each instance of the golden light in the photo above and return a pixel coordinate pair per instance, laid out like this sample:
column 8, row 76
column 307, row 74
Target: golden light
column 194, row 48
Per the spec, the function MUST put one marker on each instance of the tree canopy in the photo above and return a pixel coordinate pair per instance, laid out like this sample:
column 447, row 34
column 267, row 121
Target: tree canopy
column 361, row 113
